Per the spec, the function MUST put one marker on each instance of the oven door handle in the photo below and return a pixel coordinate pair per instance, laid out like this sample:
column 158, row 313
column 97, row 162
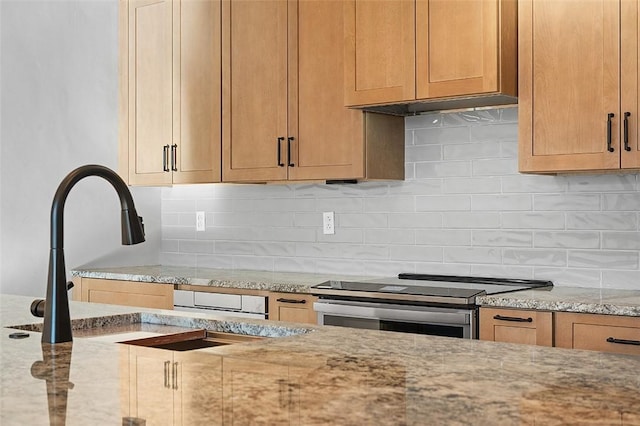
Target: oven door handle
column 380, row 312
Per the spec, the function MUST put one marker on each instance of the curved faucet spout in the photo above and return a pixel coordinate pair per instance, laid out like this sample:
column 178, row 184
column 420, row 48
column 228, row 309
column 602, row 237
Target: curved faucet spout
column 57, row 323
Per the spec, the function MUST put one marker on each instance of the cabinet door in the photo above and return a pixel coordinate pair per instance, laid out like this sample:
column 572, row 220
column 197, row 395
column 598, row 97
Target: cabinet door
column 148, row 113
column 630, row 32
column 458, row 46
column 150, row 390
column 257, row 393
column 607, row 333
column 328, row 138
column 379, row 39
column 516, row 326
column 196, row 91
column 292, row 307
column 197, row 388
column 569, row 83
column 254, row 117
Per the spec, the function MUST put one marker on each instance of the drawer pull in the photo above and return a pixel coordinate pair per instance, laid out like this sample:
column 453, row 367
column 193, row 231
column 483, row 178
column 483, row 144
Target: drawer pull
column 512, row 319
column 283, row 300
column 623, row 341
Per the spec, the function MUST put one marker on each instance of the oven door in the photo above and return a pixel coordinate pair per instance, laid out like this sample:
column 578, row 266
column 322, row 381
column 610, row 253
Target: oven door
column 451, row 322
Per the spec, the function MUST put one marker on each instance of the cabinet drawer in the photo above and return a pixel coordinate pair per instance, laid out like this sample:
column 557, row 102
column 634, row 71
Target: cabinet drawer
column 218, row 300
column 605, row 333
column 516, row 326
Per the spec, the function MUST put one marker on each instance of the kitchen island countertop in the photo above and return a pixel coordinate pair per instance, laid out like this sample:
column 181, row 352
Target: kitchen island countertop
column 326, row 375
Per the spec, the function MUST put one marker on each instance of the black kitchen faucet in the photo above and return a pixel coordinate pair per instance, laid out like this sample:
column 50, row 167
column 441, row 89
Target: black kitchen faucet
column 57, row 323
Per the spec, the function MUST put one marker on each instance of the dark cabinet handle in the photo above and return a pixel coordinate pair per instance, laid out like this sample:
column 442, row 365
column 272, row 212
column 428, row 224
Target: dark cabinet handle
column 512, row 319
column 299, row 301
column 165, row 158
column 174, row 376
column 623, row 341
column 174, row 157
column 280, row 163
column 289, row 140
column 626, row 131
column 609, row 117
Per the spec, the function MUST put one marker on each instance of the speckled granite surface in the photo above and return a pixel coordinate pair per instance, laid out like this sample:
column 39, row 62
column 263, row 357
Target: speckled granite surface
column 329, row 375
column 570, row 299
column 287, row 282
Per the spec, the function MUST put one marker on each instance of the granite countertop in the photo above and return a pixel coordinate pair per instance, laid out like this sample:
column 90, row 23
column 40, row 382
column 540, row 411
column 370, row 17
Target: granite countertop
column 567, row 299
column 326, row 375
column 570, row 299
column 288, row 282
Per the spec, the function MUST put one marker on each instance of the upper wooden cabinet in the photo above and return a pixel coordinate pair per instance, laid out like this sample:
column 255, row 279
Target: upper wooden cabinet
column 283, row 111
column 426, row 50
column 579, row 85
column 170, row 70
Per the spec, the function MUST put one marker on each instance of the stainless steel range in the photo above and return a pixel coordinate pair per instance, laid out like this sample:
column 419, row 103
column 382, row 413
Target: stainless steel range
column 443, row 305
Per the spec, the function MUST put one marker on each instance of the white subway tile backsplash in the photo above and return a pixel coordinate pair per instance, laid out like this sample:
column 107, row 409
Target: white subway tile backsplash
column 437, row 169
column 472, row 255
column 423, row 153
column 566, row 239
column 463, row 210
column 536, row 257
column 501, row 202
column 472, row 220
column 443, row 237
column 602, row 183
column 603, row 221
column 415, row 253
column 604, row 259
column 494, row 167
column 440, row 135
column 494, row 132
column 533, row 220
column 621, row 240
column 471, row 151
column 572, row 277
column 626, row 201
column 472, row 185
column 569, row 202
column 443, row 203
column 415, row 220
column 502, row 238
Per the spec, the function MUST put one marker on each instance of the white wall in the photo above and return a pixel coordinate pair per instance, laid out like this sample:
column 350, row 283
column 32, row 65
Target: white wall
column 58, row 65
column 463, row 209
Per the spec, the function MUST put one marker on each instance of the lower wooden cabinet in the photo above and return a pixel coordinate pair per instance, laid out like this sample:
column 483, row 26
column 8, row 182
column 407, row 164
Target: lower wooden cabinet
column 292, row 307
column 170, row 387
column 127, row 293
column 516, row 326
column 607, row 333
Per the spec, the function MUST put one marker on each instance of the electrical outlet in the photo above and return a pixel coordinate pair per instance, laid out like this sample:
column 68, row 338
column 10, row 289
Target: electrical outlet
column 200, row 221
column 328, row 224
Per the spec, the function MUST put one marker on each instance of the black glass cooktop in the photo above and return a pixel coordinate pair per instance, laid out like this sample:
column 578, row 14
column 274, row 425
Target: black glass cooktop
column 426, row 286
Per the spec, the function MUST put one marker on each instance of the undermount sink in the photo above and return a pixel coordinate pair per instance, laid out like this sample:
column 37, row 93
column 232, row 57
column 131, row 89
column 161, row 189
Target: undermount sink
column 195, row 339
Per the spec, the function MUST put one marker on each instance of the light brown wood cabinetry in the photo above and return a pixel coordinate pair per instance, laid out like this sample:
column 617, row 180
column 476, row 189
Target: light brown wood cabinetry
column 171, row 387
column 127, row 293
column 283, row 99
column 292, row 307
column 578, row 85
column 516, row 326
column 170, row 108
column 607, row 333
column 403, row 51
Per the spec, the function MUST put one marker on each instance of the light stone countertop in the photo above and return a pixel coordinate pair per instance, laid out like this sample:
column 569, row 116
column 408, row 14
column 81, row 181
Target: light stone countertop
column 569, row 299
column 327, row 375
column 287, row 282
